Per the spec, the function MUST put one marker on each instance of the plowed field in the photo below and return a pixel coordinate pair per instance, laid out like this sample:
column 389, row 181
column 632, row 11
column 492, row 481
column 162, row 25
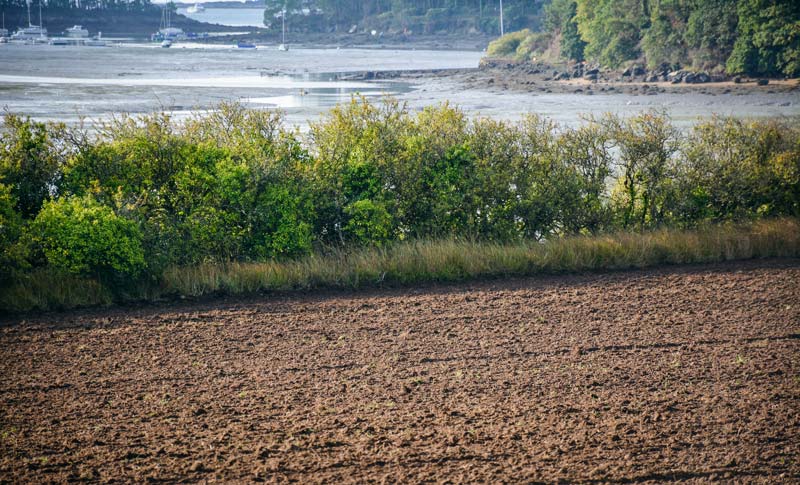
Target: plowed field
column 687, row 374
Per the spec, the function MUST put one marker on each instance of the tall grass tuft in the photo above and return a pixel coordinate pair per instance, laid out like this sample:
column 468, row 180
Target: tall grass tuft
column 416, row 262
column 45, row 289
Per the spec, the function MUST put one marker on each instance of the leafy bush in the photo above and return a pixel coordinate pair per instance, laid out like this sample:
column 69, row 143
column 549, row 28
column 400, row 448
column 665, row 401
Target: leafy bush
column 736, row 169
column 369, row 222
column 31, row 158
column 83, row 237
column 232, row 186
column 12, row 253
column 534, row 46
column 645, row 188
column 506, row 46
column 226, row 185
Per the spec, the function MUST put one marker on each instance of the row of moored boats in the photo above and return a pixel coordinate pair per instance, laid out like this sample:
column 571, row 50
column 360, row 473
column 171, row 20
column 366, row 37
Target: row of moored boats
column 77, row 35
column 37, row 34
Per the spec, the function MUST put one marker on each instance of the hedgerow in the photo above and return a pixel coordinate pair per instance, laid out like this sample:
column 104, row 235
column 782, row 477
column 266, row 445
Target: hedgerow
column 145, row 194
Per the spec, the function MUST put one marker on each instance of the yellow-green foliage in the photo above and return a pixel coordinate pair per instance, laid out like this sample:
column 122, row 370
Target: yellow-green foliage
column 80, row 236
column 506, row 46
column 533, row 46
column 522, row 45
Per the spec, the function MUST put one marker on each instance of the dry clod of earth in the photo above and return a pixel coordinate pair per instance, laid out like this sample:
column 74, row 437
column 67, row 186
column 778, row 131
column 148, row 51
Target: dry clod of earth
column 684, row 374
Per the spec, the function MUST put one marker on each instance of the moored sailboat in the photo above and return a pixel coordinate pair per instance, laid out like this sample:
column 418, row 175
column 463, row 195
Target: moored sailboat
column 32, row 33
column 283, row 46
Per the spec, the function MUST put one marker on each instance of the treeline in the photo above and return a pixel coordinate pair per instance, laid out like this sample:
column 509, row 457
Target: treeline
column 415, row 16
column 146, row 194
column 78, row 5
column 753, row 37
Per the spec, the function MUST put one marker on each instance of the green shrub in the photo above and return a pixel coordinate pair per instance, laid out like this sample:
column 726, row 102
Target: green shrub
column 506, row 46
column 31, row 158
column 532, row 46
column 13, row 253
column 370, row 223
column 83, row 237
column 647, row 167
column 735, row 169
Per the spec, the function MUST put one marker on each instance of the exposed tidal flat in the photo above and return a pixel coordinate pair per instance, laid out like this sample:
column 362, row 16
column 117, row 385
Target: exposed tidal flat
column 73, row 83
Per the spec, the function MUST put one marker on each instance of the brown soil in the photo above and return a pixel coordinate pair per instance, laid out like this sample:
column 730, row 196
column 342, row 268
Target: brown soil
column 688, row 374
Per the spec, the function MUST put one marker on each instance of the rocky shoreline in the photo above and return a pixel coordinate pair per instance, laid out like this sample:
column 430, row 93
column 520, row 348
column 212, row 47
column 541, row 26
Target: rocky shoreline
column 581, row 79
column 501, row 75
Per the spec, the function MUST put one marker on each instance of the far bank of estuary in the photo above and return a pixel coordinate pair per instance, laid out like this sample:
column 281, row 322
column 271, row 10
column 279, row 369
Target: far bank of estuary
column 59, row 83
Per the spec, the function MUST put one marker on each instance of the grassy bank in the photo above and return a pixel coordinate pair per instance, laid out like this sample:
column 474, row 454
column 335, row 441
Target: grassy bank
column 411, row 263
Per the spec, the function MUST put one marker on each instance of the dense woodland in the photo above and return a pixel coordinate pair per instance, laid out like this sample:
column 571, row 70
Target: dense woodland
column 414, row 16
column 755, row 37
column 79, row 5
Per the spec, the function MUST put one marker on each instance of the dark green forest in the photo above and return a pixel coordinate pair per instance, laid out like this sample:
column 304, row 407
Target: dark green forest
column 756, row 37
column 414, row 16
column 81, row 5
column 753, row 37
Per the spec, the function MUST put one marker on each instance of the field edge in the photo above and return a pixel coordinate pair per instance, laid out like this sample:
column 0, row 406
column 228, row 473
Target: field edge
column 418, row 262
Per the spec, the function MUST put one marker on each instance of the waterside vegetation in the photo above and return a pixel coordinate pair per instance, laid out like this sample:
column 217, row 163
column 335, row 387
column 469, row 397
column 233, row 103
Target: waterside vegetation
column 233, row 201
column 752, row 37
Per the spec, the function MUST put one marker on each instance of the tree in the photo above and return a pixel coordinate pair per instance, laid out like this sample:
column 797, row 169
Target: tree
column 768, row 38
column 31, row 157
column 560, row 19
column 711, row 32
column 663, row 42
column 612, row 29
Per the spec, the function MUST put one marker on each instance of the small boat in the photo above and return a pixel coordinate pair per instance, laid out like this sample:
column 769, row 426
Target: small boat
column 77, row 32
column 59, row 41
column 166, row 44
column 196, row 8
column 245, row 45
column 96, row 41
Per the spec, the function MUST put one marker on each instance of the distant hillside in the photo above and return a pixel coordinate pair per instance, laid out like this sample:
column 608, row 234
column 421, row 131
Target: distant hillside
column 444, row 17
column 753, row 37
column 257, row 4
column 115, row 23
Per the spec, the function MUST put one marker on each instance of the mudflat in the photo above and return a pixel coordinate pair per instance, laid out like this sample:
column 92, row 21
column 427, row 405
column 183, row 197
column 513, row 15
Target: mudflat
column 675, row 374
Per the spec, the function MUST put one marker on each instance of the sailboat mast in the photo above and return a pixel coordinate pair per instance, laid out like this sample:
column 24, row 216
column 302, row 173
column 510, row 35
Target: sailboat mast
column 502, row 28
column 40, row 14
column 29, row 12
column 283, row 25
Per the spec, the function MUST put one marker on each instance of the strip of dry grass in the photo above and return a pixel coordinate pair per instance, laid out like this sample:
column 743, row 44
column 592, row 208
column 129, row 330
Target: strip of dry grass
column 426, row 261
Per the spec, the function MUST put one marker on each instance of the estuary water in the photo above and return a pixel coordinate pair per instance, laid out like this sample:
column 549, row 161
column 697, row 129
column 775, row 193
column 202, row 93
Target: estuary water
column 70, row 84
column 67, row 83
